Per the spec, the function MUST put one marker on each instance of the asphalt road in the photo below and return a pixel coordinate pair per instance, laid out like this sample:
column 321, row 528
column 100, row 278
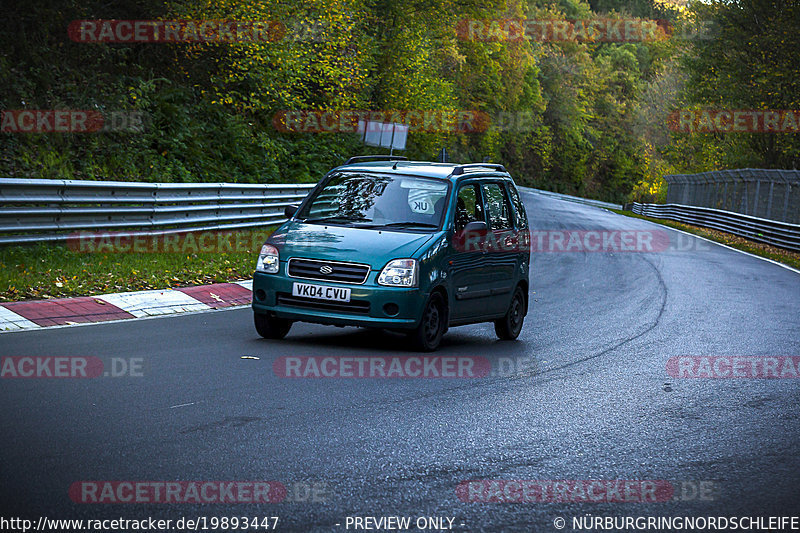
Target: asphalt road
column 589, row 398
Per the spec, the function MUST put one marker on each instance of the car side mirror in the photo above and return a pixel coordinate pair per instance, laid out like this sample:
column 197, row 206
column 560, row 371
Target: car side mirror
column 290, row 210
column 476, row 226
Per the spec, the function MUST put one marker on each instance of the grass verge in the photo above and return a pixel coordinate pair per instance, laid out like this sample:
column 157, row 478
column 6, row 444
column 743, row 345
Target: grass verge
column 47, row 270
column 780, row 255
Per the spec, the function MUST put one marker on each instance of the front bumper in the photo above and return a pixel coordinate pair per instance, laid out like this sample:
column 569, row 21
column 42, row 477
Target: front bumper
column 372, row 305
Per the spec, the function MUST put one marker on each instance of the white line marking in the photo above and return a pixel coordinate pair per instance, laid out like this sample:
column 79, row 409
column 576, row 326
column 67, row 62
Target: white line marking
column 767, row 259
column 11, row 321
column 787, row 267
column 154, row 302
column 118, row 320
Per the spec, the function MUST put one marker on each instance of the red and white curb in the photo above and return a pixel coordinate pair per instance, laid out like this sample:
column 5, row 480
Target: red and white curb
column 35, row 314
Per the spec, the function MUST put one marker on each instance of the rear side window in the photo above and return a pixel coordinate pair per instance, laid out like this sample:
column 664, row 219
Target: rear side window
column 468, row 206
column 497, row 206
column 519, row 208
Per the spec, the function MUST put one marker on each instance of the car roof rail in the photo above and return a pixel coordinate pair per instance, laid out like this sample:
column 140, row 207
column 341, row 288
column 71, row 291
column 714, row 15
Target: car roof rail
column 358, row 158
column 461, row 168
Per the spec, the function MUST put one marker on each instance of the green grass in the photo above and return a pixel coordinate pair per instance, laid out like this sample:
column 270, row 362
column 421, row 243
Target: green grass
column 56, row 271
column 780, row 255
column 45, row 270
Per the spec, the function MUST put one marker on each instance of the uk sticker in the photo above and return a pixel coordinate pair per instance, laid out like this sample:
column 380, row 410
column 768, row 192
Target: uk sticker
column 423, row 195
column 421, row 204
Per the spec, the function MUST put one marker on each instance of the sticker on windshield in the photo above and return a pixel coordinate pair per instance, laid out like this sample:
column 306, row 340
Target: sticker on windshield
column 420, row 202
column 423, row 195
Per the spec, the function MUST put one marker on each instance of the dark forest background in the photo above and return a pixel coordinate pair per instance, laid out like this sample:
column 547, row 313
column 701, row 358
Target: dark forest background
column 598, row 111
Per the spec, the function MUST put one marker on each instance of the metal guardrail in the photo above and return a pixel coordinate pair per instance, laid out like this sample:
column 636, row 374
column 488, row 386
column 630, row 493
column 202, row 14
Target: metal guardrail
column 35, row 210
column 576, row 199
column 51, row 210
column 772, row 232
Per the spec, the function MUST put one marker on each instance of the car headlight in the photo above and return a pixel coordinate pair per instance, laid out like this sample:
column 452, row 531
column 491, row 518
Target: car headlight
column 267, row 259
column 399, row 273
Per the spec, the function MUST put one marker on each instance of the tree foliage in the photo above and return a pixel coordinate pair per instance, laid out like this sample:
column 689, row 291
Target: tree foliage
column 581, row 117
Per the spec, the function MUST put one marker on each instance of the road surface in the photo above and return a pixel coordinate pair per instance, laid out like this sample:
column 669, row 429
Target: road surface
column 584, row 394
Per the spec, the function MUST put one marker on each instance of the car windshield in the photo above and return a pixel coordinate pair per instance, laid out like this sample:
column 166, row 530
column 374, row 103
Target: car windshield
column 378, row 201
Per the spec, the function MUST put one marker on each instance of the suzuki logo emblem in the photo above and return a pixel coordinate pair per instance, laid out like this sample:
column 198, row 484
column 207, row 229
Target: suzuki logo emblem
column 325, row 269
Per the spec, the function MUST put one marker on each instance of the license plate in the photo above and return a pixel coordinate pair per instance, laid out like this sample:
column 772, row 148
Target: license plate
column 321, row 292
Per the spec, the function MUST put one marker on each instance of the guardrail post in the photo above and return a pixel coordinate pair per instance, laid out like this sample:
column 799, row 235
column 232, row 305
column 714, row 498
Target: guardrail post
column 755, row 200
column 725, row 196
column 769, row 200
column 686, row 193
column 743, row 206
column 712, row 190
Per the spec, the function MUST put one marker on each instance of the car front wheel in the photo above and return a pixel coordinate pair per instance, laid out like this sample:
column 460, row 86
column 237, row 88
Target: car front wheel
column 509, row 327
column 428, row 335
column 271, row 327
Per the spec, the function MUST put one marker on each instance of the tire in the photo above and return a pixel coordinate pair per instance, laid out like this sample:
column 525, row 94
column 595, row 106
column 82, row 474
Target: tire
column 432, row 325
column 271, row 328
column 509, row 327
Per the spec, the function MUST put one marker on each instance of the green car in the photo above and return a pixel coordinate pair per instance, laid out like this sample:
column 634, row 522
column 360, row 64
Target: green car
column 401, row 245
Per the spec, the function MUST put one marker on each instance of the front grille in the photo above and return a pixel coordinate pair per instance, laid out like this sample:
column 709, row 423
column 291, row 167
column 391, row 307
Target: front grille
column 340, row 272
column 353, row 306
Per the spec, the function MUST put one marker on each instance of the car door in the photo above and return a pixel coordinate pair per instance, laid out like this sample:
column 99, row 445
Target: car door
column 502, row 256
column 468, row 270
column 523, row 233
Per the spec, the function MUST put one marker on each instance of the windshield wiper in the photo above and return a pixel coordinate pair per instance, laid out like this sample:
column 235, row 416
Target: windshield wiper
column 408, row 223
column 338, row 219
